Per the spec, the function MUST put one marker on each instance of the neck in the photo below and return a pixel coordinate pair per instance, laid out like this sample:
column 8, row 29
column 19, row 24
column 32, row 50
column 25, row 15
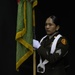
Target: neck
column 51, row 35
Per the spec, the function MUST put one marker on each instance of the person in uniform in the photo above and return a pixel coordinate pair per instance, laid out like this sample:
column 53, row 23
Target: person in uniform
column 52, row 49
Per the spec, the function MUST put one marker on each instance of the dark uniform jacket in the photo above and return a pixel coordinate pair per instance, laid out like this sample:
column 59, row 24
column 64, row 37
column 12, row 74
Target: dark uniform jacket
column 55, row 66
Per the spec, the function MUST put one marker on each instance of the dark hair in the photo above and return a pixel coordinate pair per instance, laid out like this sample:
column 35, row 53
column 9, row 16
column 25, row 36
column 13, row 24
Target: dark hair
column 55, row 19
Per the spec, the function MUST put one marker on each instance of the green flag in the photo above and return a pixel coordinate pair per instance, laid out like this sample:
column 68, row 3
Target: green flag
column 24, row 31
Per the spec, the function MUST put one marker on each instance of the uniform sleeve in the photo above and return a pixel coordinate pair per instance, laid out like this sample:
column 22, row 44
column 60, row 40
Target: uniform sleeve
column 60, row 51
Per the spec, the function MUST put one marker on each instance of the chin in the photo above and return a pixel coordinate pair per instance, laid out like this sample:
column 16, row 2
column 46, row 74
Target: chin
column 48, row 33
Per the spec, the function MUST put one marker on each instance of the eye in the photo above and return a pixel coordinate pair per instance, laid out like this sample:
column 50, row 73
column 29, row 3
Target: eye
column 48, row 24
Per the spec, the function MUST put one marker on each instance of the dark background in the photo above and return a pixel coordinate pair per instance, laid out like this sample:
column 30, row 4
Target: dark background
column 8, row 15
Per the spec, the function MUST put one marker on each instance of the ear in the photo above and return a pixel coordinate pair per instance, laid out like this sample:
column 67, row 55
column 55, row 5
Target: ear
column 57, row 28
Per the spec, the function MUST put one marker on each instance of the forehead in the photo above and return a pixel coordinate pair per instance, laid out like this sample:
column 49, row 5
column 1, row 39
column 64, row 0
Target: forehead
column 49, row 20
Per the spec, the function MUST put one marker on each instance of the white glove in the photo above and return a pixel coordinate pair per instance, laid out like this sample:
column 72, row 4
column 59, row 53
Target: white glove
column 36, row 44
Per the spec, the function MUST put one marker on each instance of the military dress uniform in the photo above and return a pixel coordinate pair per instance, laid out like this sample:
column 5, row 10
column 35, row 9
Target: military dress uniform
column 53, row 62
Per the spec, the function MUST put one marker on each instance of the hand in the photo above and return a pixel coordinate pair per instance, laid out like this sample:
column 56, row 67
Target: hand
column 36, row 44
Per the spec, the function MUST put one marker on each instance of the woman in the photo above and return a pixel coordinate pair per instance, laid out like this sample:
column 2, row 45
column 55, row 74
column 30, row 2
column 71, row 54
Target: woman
column 52, row 49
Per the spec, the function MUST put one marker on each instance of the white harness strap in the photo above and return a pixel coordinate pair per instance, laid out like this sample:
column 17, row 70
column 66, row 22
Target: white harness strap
column 53, row 47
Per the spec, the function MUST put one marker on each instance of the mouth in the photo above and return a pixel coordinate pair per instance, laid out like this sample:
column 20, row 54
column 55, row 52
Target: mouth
column 47, row 30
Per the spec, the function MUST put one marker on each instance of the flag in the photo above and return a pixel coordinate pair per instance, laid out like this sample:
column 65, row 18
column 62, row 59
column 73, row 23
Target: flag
column 24, row 30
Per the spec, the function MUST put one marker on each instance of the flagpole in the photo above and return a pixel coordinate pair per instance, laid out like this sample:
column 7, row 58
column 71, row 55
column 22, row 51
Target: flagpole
column 34, row 63
column 34, row 54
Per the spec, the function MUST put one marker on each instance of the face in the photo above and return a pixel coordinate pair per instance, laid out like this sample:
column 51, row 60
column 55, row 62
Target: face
column 50, row 27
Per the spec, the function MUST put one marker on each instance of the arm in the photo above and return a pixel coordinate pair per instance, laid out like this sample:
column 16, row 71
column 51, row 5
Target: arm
column 61, row 50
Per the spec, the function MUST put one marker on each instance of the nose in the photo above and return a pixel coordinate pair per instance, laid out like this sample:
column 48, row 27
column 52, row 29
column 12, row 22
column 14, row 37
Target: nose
column 47, row 26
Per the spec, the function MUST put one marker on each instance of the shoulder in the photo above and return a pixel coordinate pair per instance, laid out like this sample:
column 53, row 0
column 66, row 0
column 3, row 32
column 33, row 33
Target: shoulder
column 63, row 40
column 43, row 38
